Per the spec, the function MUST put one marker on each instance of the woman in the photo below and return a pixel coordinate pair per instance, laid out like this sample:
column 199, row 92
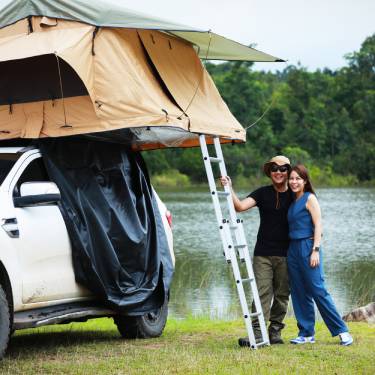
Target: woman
column 305, row 263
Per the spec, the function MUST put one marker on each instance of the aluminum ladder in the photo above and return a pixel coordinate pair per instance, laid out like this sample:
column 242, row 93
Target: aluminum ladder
column 234, row 243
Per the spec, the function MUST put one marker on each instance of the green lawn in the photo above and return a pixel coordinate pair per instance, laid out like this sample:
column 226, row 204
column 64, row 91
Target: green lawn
column 192, row 346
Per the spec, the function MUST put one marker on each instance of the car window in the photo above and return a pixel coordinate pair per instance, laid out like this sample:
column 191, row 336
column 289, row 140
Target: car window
column 7, row 162
column 35, row 171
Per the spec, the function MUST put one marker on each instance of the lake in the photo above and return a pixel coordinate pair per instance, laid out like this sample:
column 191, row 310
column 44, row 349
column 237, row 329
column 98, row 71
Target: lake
column 203, row 282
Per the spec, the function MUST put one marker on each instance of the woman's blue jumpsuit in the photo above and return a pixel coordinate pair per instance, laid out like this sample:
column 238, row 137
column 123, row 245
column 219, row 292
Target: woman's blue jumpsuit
column 306, row 282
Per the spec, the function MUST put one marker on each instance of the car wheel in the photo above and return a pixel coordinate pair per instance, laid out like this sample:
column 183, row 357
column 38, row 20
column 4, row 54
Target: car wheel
column 5, row 329
column 145, row 326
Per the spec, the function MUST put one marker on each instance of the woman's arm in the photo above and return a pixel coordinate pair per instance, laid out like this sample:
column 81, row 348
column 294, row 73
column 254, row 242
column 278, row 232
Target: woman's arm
column 313, row 207
column 239, row 205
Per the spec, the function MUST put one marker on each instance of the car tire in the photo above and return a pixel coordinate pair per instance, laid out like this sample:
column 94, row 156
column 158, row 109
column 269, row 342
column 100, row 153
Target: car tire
column 5, row 325
column 144, row 326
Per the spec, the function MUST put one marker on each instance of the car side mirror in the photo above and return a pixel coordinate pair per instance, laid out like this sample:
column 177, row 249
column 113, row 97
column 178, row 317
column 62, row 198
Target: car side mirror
column 37, row 194
column 38, row 188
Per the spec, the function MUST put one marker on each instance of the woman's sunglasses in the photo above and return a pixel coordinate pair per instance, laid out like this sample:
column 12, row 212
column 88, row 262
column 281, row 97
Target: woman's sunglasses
column 279, row 168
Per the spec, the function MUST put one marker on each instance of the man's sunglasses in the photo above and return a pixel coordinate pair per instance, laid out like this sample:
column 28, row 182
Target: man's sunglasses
column 279, row 168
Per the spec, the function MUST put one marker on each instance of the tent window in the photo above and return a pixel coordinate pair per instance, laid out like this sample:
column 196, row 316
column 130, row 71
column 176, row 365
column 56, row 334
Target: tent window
column 37, row 79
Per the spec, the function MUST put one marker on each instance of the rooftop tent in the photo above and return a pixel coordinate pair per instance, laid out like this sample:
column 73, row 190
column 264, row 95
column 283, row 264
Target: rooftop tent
column 89, row 67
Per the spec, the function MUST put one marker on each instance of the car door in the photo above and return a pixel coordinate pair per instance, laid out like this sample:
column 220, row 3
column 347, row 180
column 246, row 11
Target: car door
column 43, row 245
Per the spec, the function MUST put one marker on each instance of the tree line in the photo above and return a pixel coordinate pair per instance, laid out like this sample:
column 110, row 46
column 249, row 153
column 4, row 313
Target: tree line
column 325, row 119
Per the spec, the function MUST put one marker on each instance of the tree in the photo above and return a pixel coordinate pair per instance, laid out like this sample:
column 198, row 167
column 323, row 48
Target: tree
column 324, row 118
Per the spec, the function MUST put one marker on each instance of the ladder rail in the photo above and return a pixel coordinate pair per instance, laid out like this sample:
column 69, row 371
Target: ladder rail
column 227, row 189
column 241, row 238
column 225, row 228
column 220, row 220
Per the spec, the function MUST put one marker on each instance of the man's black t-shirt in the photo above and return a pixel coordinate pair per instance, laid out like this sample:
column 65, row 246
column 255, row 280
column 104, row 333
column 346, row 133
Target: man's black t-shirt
column 273, row 234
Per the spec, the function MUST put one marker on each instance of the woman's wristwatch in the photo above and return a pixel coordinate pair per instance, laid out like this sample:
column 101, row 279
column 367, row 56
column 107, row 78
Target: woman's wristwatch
column 316, row 248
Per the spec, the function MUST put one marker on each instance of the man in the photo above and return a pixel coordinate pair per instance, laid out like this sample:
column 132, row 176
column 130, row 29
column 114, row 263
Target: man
column 269, row 262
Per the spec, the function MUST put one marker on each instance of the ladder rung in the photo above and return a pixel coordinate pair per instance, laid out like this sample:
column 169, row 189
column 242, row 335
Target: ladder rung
column 240, row 246
column 234, row 240
column 215, row 160
column 224, row 193
column 247, row 280
column 255, row 314
column 262, row 343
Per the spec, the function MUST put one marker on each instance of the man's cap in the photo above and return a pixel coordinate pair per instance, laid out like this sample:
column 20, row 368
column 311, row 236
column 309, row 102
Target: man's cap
column 279, row 160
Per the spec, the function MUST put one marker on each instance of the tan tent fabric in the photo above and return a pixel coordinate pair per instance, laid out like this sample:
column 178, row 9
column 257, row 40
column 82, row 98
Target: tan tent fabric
column 122, row 86
column 131, row 89
column 120, row 81
column 18, row 28
column 34, row 119
column 38, row 25
column 50, row 40
column 23, row 120
column 190, row 85
column 125, row 90
column 12, row 120
column 51, row 119
column 48, row 22
column 47, row 119
column 81, row 117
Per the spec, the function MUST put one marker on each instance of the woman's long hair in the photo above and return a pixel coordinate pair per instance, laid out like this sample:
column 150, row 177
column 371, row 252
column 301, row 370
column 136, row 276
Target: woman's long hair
column 301, row 170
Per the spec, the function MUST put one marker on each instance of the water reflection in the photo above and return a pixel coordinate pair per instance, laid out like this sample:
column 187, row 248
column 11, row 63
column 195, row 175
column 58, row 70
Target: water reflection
column 203, row 282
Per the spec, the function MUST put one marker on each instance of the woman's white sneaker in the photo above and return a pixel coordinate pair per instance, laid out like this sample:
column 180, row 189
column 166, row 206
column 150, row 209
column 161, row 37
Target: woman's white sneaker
column 303, row 340
column 346, row 339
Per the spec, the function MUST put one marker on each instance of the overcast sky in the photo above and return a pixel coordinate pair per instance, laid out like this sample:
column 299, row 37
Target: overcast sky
column 315, row 32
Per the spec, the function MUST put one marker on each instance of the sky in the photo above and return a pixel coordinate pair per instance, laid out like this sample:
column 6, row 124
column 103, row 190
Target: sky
column 315, row 33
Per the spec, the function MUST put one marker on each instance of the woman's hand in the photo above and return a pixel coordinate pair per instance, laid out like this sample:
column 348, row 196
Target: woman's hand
column 225, row 180
column 314, row 259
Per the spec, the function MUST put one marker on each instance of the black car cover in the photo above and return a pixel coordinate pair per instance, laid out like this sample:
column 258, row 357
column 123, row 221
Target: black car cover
column 119, row 245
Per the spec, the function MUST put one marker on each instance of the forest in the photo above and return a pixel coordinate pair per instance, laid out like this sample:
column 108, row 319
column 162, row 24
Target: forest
column 324, row 119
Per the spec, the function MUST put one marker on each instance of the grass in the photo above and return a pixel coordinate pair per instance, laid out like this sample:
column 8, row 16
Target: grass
column 191, row 346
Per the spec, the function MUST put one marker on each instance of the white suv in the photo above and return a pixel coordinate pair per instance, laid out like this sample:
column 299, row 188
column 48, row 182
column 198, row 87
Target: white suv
column 37, row 282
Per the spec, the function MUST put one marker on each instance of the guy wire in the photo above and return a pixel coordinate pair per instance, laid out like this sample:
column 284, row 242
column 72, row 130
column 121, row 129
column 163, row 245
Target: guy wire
column 264, row 113
column 61, row 89
column 270, row 105
column 201, row 78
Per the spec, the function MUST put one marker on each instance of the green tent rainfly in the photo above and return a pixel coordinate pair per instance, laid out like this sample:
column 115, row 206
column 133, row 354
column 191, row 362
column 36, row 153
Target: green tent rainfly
column 99, row 13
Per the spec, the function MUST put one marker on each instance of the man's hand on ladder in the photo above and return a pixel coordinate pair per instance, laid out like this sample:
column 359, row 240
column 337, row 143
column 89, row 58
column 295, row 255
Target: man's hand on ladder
column 225, row 180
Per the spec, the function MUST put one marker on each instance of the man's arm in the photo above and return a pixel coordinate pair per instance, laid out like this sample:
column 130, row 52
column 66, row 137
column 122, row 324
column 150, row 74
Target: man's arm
column 239, row 205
